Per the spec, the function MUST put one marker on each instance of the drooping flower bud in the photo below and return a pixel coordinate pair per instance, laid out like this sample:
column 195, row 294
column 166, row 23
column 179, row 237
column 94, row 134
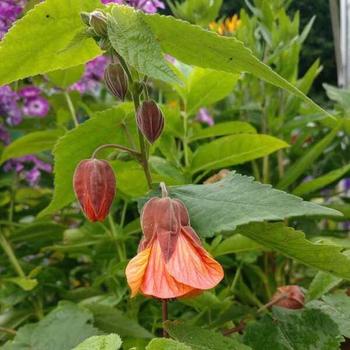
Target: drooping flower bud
column 150, row 120
column 116, row 80
column 98, row 21
column 94, row 186
column 289, row 297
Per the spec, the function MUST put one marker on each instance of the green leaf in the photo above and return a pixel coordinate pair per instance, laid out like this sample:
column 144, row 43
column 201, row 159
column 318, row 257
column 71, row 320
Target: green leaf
column 322, row 283
column 78, row 144
column 63, row 78
column 201, row 339
column 303, row 163
column 337, row 307
column 321, row 182
column 232, row 150
column 62, row 329
column 131, row 37
column 111, row 320
column 102, row 342
column 207, row 86
column 25, row 283
column 36, row 43
column 236, row 244
column 166, row 344
column 294, row 330
column 34, row 142
column 196, row 46
column 237, row 200
column 293, row 244
column 222, row 129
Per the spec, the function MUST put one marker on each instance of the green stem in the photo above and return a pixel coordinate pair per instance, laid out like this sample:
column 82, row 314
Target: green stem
column 120, row 252
column 235, row 279
column 6, row 246
column 71, row 108
column 185, row 137
column 120, row 147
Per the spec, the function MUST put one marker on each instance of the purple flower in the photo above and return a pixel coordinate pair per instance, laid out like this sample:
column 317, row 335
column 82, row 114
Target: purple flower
column 9, row 105
column 204, row 117
column 36, row 107
column 149, row 6
column 344, row 187
column 30, row 91
column 9, row 11
column 4, row 135
column 33, row 176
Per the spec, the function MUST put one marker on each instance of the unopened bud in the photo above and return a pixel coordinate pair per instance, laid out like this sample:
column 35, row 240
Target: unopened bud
column 289, row 297
column 85, row 17
column 98, row 21
column 94, row 186
column 116, row 80
column 150, row 120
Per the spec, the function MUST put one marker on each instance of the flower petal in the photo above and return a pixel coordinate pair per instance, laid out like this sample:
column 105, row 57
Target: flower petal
column 157, row 282
column 136, row 269
column 191, row 264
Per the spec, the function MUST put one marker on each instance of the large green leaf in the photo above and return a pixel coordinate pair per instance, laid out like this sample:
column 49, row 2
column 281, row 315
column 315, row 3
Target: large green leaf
column 62, row 329
column 78, row 144
column 222, row 129
column 232, row 150
column 237, row 200
column 293, row 243
column 102, row 342
column 112, row 320
column 131, row 37
column 294, row 330
column 38, row 42
column 303, row 163
column 166, row 344
column 321, row 182
column 202, row 339
column 34, row 142
column 207, row 86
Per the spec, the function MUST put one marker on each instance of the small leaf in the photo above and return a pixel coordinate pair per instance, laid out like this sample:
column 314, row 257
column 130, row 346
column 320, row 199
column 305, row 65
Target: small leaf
column 222, row 129
column 102, row 342
column 201, row 339
column 131, row 37
column 232, row 150
column 36, row 43
column 34, row 142
column 239, row 200
column 294, row 330
column 25, row 283
column 166, row 344
column 322, row 283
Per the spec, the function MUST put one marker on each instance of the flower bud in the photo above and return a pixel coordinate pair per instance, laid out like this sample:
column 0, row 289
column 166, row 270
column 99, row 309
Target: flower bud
column 116, row 80
column 85, row 17
column 98, row 21
column 94, row 186
column 150, row 120
column 289, row 297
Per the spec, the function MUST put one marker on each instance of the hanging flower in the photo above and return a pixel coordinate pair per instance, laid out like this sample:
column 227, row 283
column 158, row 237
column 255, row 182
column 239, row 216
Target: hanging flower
column 171, row 262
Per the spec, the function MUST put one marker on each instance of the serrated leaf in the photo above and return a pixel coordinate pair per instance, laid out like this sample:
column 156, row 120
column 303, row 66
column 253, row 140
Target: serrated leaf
column 193, row 45
column 201, row 339
column 294, row 330
column 322, row 283
column 79, row 143
column 222, row 129
column 62, row 329
column 102, row 342
column 34, row 142
column 236, row 244
column 237, row 200
column 232, row 150
column 321, row 182
column 166, row 344
column 111, row 320
column 293, row 243
column 36, row 43
column 131, row 37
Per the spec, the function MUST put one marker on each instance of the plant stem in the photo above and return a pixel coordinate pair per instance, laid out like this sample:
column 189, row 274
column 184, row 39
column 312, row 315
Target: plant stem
column 6, row 246
column 165, row 316
column 71, row 108
column 120, row 251
column 8, row 330
column 235, row 279
column 120, row 147
column 185, row 137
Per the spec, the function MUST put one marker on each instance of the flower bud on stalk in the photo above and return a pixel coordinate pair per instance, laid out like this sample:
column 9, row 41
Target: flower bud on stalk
column 289, row 297
column 98, row 21
column 150, row 120
column 116, row 80
column 94, row 186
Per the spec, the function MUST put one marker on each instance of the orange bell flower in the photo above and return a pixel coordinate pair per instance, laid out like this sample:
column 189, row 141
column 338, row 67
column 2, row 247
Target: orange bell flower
column 171, row 261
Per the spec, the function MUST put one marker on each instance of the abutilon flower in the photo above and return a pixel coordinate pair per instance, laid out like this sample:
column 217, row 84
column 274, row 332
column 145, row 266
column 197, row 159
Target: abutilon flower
column 171, row 261
column 289, row 297
column 94, row 186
